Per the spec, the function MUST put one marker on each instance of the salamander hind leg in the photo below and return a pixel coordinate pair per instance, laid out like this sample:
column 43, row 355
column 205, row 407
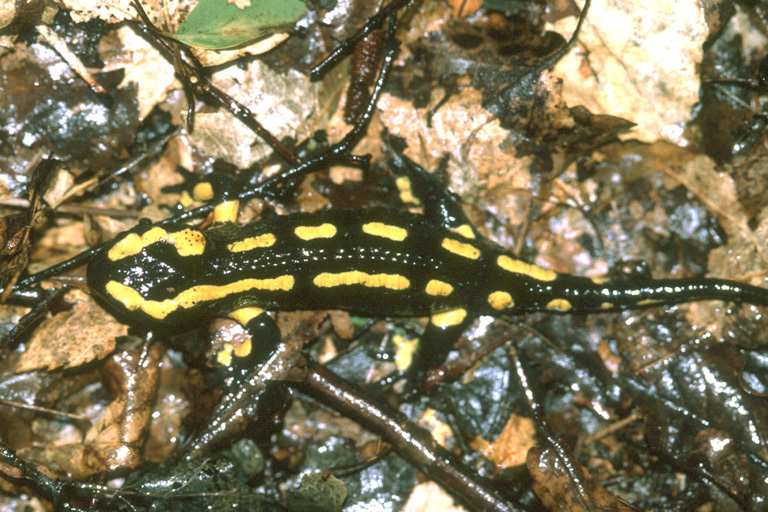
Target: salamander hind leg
column 439, row 337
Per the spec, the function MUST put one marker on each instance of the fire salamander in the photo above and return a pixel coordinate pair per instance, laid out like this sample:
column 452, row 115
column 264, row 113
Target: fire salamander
column 374, row 262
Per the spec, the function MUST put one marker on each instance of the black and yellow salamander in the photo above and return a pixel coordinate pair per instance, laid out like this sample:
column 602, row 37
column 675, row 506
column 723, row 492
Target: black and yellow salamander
column 375, row 262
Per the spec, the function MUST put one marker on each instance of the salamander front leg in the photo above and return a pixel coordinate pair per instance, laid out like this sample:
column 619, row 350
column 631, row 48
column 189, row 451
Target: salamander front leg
column 216, row 188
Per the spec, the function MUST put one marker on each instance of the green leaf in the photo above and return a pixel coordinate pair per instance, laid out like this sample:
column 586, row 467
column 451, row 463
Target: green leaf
column 216, row 24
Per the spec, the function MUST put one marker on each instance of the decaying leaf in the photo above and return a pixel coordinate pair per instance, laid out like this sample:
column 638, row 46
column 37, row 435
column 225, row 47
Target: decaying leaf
column 14, row 235
column 71, row 338
column 116, row 438
column 511, row 447
column 558, row 491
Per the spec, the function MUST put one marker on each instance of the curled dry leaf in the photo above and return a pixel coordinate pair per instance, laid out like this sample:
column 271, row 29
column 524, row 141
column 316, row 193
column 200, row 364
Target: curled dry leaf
column 116, row 438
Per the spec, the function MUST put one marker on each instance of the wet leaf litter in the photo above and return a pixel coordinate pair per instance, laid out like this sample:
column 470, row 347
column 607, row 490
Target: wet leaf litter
column 663, row 408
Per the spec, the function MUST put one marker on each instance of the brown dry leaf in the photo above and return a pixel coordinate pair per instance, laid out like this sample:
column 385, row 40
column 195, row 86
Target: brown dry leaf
column 58, row 188
column 142, row 64
column 430, row 497
column 441, row 431
column 162, row 173
column 171, row 407
column 511, row 447
column 468, row 132
column 101, row 453
column 14, row 247
column 464, row 8
column 283, row 102
column 557, row 491
column 116, row 438
column 640, row 63
column 717, row 13
column 342, row 324
column 71, row 338
column 715, row 189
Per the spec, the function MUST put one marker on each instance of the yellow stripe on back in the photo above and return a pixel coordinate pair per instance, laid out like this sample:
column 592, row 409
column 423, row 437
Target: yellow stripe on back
column 460, row 248
column 203, row 191
column 391, row 281
column 188, row 242
column 245, row 315
column 311, row 232
column 226, row 211
column 132, row 300
column 246, row 244
column 438, row 288
column 395, row 233
column 406, row 348
column 521, row 267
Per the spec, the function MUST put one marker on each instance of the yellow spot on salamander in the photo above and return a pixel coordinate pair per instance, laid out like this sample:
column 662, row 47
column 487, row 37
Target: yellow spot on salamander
column 186, row 199
column 403, row 184
column 241, row 316
column 559, row 305
column 244, row 349
column 460, row 248
column 464, row 230
column 500, row 300
column 202, row 192
column 226, row 211
column 245, row 315
column 193, row 296
column 311, row 232
column 392, row 281
column 521, row 267
column 404, row 350
column 607, row 305
column 395, row 233
column 130, row 298
column 435, row 287
column 246, row 244
column 224, row 357
column 600, row 280
column 188, row 242
column 449, row 318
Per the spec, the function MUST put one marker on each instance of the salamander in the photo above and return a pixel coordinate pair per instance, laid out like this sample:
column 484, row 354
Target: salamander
column 375, row 262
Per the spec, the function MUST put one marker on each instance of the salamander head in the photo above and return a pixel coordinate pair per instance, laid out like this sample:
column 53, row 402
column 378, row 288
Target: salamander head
column 146, row 274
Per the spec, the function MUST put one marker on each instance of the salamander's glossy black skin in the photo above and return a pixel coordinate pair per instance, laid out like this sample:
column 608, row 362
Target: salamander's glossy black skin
column 373, row 275
column 373, row 262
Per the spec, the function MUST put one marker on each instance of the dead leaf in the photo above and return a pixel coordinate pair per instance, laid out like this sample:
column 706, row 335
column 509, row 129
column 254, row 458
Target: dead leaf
column 557, row 490
column 71, row 338
column 637, row 63
column 513, row 444
column 116, row 438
